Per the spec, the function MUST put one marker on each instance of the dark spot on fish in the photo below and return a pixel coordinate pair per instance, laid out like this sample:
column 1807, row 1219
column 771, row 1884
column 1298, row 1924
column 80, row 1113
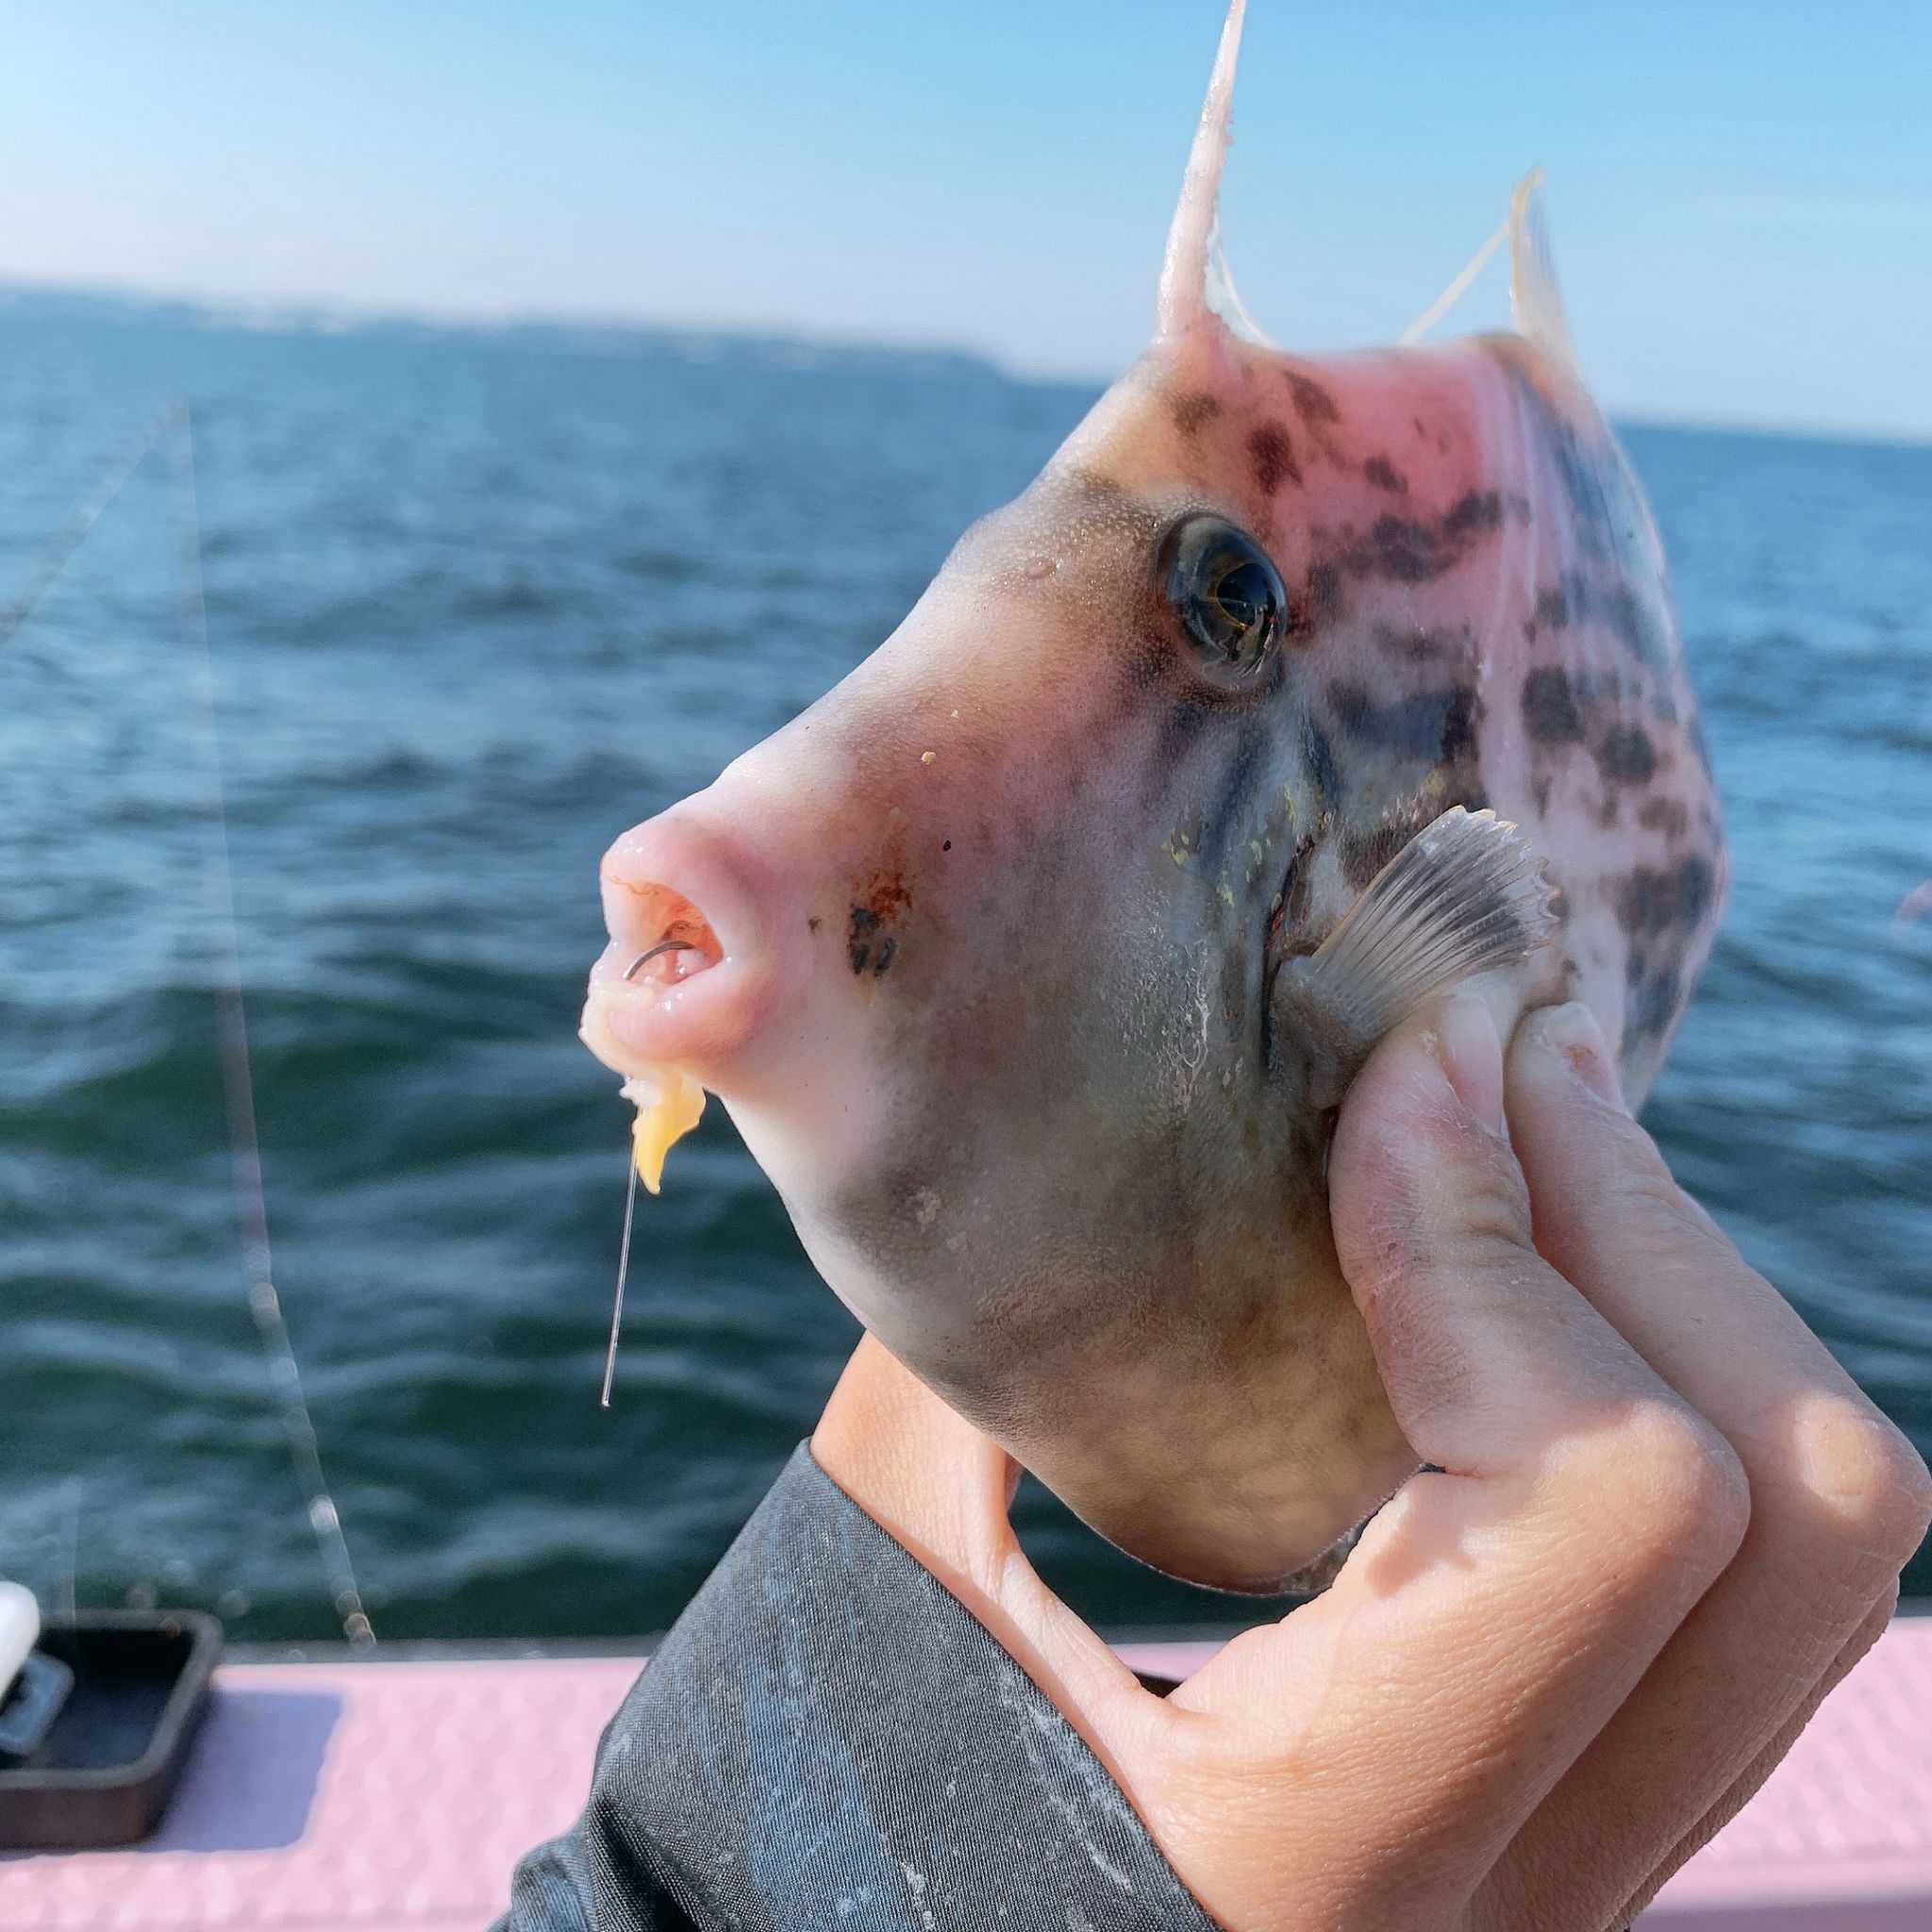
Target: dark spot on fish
column 1654, row 998
column 945, row 844
column 1224, row 820
column 1410, row 550
column 1436, row 725
column 887, row 894
column 1696, row 886
column 1096, row 485
column 884, row 957
column 1610, row 810
column 1312, row 402
column 1636, row 623
column 1540, row 790
column 1607, row 510
column 1318, row 605
column 1652, row 899
column 1273, row 456
column 1365, row 855
column 1646, row 901
column 811, row 925
column 1385, row 475
column 1586, row 478
column 1460, row 718
column 1415, row 645
column 1549, row 711
column 1187, row 717
column 1082, row 487
column 1665, row 815
column 1461, row 789
column 1416, row 424
column 1478, row 513
column 858, row 941
column 1192, row 411
column 1627, row 756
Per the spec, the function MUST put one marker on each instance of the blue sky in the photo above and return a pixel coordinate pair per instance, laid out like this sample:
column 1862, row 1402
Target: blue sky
column 1740, row 195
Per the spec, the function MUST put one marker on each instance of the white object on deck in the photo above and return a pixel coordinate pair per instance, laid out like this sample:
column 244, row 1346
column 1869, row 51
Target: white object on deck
column 20, row 1630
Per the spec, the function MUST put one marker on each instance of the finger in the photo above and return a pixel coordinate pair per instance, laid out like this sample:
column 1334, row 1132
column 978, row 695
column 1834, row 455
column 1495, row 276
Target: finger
column 1495, row 1615
column 1838, row 1500
column 1761, row 1767
column 941, row 1489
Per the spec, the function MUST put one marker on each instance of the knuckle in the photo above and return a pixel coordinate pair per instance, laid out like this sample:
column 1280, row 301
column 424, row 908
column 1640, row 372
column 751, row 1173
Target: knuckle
column 1646, row 1202
column 1674, row 1489
column 1859, row 1471
column 1476, row 1225
column 1490, row 1220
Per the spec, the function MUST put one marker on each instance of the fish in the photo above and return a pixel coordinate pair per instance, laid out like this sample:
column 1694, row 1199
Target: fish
column 1032, row 960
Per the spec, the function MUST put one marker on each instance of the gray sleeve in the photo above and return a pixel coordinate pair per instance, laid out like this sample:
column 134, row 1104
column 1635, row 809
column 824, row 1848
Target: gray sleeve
column 827, row 1740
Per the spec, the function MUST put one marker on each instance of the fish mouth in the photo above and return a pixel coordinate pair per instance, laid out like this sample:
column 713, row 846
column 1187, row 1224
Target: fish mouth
column 685, row 943
column 690, row 976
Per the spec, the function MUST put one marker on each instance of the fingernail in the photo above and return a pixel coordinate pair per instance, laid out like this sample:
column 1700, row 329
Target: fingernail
column 1571, row 1034
column 1471, row 1057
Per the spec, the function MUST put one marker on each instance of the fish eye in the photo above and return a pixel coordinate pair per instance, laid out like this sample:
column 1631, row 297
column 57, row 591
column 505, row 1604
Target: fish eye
column 1225, row 590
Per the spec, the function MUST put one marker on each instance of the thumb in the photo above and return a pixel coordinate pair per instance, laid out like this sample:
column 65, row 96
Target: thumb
column 1489, row 1355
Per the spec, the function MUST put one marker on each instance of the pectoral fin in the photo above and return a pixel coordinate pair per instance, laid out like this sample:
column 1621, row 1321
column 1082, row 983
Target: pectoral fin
column 1465, row 895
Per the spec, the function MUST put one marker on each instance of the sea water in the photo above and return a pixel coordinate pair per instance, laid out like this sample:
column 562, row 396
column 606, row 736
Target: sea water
column 480, row 602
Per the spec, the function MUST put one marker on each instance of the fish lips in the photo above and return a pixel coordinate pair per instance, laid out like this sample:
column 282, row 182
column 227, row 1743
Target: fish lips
column 705, row 1006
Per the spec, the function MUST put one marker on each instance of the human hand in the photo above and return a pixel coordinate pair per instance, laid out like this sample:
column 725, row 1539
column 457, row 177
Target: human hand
column 1667, row 1525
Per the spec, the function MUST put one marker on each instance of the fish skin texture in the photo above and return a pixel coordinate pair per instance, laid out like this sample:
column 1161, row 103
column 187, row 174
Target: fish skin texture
column 1031, row 1112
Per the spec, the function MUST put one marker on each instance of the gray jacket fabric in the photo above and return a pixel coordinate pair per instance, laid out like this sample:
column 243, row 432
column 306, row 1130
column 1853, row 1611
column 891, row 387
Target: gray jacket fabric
column 828, row 1741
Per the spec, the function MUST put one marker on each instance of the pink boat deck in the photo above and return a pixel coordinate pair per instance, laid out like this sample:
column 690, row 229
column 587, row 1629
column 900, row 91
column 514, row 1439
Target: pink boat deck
column 396, row 1797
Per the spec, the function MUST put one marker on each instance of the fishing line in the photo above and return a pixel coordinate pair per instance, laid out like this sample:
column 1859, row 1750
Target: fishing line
column 69, row 537
column 630, row 1195
column 238, row 1080
column 226, row 954
column 630, row 1209
column 1453, row 293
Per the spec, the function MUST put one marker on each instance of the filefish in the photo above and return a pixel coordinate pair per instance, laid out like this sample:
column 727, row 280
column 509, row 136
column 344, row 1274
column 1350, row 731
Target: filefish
column 1033, row 959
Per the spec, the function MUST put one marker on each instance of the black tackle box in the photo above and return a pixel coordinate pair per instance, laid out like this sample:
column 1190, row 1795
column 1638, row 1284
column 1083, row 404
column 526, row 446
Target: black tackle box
column 104, row 1770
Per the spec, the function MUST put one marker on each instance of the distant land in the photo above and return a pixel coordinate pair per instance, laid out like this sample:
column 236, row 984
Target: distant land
column 100, row 308
column 726, row 348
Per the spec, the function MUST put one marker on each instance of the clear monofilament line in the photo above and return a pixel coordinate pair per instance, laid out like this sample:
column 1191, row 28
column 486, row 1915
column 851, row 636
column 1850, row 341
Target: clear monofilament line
column 1457, row 290
column 237, row 1083
column 72, row 533
column 630, row 1209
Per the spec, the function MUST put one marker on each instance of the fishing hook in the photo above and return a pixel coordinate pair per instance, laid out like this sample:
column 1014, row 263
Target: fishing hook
column 662, row 947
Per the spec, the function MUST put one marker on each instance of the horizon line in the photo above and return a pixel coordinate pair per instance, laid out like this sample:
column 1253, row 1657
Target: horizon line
column 268, row 314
